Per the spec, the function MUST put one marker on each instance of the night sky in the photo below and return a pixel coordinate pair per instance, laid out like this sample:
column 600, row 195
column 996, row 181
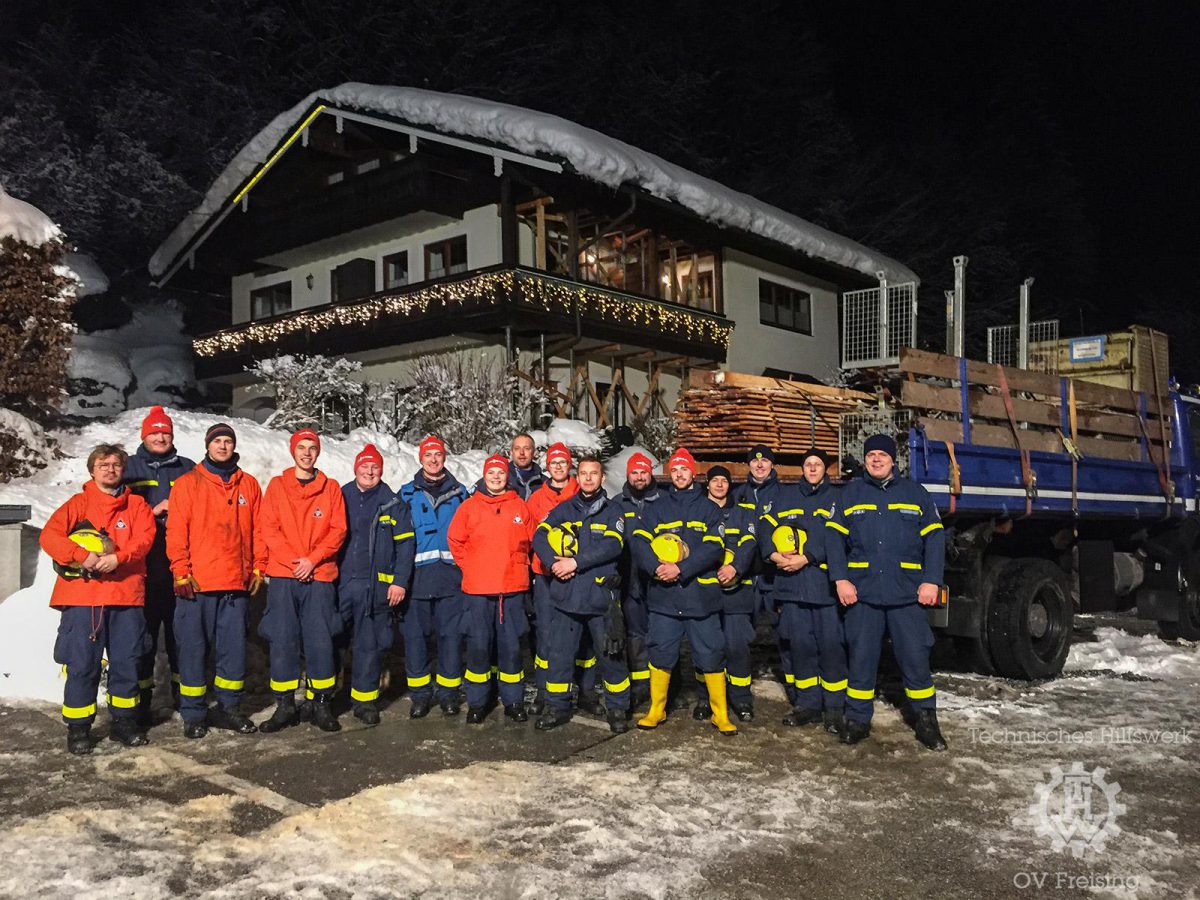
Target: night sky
column 1051, row 139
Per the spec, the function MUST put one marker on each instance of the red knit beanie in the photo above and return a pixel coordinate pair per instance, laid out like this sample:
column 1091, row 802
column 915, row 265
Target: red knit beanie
column 433, row 442
column 157, row 422
column 304, row 434
column 639, row 462
column 558, row 451
column 682, row 457
column 369, row 453
column 495, row 460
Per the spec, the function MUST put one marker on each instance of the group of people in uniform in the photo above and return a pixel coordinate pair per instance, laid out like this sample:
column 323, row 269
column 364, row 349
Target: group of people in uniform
column 602, row 590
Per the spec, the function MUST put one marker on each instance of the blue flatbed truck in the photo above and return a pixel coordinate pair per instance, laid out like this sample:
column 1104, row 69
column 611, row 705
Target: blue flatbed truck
column 1057, row 496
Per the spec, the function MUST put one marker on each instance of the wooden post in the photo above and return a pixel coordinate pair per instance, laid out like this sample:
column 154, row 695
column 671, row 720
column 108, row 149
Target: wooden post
column 674, row 295
column 652, row 265
column 573, row 243
column 540, row 258
column 718, row 282
column 508, row 224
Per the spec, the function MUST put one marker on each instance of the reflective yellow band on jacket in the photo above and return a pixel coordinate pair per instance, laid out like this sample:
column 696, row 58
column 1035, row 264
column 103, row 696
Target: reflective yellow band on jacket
column 618, row 687
column 403, row 536
column 911, row 506
column 823, row 565
column 865, row 507
column 512, row 677
column 387, row 520
column 364, row 696
column 859, row 565
column 908, row 565
column 558, row 687
column 744, row 538
column 713, row 537
column 790, row 679
column 933, row 526
column 193, row 690
column 122, row 702
column 790, row 512
column 642, row 533
column 630, row 514
column 640, row 675
column 386, row 578
column 739, row 680
column 79, row 712
column 585, row 663
column 478, row 677
column 746, row 505
column 285, row 685
column 420, row 681
column 834, row 685
column 227, row 684
column 663, row 526
column 823, row 512
column 445, row 682
column 609, row 533
column 857, row 694
column 770, row 519
column 146, row 683
column 149, row 482
column 539, row 663
column 834, row 525
column 803, row 684
column 322, row 684
column 919, row 693
column 706, row 581
column 699, row 525
column 729, row 531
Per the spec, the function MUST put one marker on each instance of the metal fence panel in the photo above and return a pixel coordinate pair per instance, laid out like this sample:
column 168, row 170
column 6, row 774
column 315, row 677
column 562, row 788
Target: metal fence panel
column 1003, row 340
column 873, row 333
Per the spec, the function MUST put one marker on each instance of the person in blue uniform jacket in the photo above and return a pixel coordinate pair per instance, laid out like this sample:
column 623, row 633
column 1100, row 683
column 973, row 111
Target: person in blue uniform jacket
column 585, row 596
column 434, row 604
column 678, row 546
column 374, row 570
column 639, row 491
column 887, row 558
column 736, row 577
column 793, row 536
column 525, row 476
column 151, row 472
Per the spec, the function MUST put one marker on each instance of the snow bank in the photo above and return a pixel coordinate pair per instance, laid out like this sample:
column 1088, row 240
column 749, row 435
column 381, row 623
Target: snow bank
column 25, row 222
column 593, row 155
column 87, row 272
column 1130, row 654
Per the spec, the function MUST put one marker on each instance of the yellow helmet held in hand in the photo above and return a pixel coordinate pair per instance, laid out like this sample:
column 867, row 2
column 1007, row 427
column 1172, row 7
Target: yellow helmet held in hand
column 789, row 539
column 669, row 548
column 727, row 559
column 91, row 539
column 562, row 541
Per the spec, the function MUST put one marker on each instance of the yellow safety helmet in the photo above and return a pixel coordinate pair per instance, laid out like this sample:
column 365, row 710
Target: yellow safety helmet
column 727, row 559
column 91, row 539
column 789, row 539
column 669, row 548
column 562, row 541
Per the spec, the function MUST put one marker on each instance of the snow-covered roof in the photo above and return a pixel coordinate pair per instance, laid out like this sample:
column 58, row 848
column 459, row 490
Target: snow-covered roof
column 593, row 155
column 25, row 222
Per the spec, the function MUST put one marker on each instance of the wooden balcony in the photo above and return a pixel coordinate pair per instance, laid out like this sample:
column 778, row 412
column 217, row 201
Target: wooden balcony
column 512, row 302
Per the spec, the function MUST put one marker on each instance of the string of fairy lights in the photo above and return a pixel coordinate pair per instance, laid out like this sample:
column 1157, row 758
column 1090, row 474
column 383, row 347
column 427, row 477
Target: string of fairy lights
column 486, row 289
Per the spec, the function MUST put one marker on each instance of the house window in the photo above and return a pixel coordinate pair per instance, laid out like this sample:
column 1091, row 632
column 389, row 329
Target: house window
column 352, row 279
column 395, row 270
column 784, row 307
column 447, row 257
column 271, row 300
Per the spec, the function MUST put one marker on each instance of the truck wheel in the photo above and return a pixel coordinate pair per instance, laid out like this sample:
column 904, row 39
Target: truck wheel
column 1188, row 626
column 1030, row 619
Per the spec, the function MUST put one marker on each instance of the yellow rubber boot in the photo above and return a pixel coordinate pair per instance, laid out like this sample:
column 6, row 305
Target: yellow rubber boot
column 715, row 682
column 659, row 682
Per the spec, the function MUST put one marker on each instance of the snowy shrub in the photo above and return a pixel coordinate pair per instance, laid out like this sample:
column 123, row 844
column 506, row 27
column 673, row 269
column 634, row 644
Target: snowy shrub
column 656, row 434
column 311, row 390
column 24, row 447
column 98, row 377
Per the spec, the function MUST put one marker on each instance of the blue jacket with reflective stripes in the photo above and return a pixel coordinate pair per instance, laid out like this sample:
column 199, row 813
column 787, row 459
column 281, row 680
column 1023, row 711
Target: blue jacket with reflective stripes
column 697, row 520
column 806, row 507
column 738, row 532
column 524, row 483
column 379, row 544
column 756, row 497
column 150, row 476
column 431, row 507
column 887, row 539
column 633, row 504
column 599, row 526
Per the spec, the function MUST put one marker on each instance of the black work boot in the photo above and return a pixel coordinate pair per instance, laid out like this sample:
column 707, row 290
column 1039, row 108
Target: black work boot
column 853, row 732
column 126, row 731
column 231, row 719
column 702, row 712
column 744, row 711
column 79, row 739
column 798, row 717
column 420, row 707
column 285, row 715
column 835, row 721
column 639, row 694
column 516, row 712
column 367, row 713
column 323, row 716
column 476, row 715
column 451, row 707
column 552, row 717
column 589, row 703
column 927, row 730
column 145, row 715
column 194, row 730
column 618, row 721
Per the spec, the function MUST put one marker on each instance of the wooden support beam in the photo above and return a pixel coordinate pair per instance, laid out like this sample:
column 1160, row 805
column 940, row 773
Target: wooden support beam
column 601, row 416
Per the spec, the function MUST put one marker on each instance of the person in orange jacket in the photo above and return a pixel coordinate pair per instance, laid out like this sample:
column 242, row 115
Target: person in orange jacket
column 490, row 538
column 217, row 559
column 99, row 540
column 303, row 523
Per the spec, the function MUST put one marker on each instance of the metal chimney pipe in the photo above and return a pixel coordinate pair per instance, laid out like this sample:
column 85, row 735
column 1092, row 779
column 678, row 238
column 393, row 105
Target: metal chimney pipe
column 960, row 297
column 1023, row 326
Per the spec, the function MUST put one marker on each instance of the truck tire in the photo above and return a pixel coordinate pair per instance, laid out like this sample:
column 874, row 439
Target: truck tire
column 973, row 654
column 1188, row 626
column 1030, row 619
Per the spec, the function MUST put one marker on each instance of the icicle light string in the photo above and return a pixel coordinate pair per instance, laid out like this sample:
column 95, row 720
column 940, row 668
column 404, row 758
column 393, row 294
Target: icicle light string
column 488, row 289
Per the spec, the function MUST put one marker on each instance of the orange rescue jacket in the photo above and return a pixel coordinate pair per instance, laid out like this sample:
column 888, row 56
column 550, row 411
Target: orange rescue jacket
column 491, row 539
column 212, row 531
column 303, row 520
column 541, row 502
column 128, row 521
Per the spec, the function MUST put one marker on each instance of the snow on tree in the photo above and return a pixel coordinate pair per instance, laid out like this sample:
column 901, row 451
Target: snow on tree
column 310, row 390
column 36, row 295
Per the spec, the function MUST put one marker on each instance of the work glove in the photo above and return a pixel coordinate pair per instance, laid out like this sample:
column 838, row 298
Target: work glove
column 614, row 639
column 256, row 583
column 185, row 587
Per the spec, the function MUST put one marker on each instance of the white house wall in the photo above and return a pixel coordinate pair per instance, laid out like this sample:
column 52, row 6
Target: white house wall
column 481, row 226
column 756, row 346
